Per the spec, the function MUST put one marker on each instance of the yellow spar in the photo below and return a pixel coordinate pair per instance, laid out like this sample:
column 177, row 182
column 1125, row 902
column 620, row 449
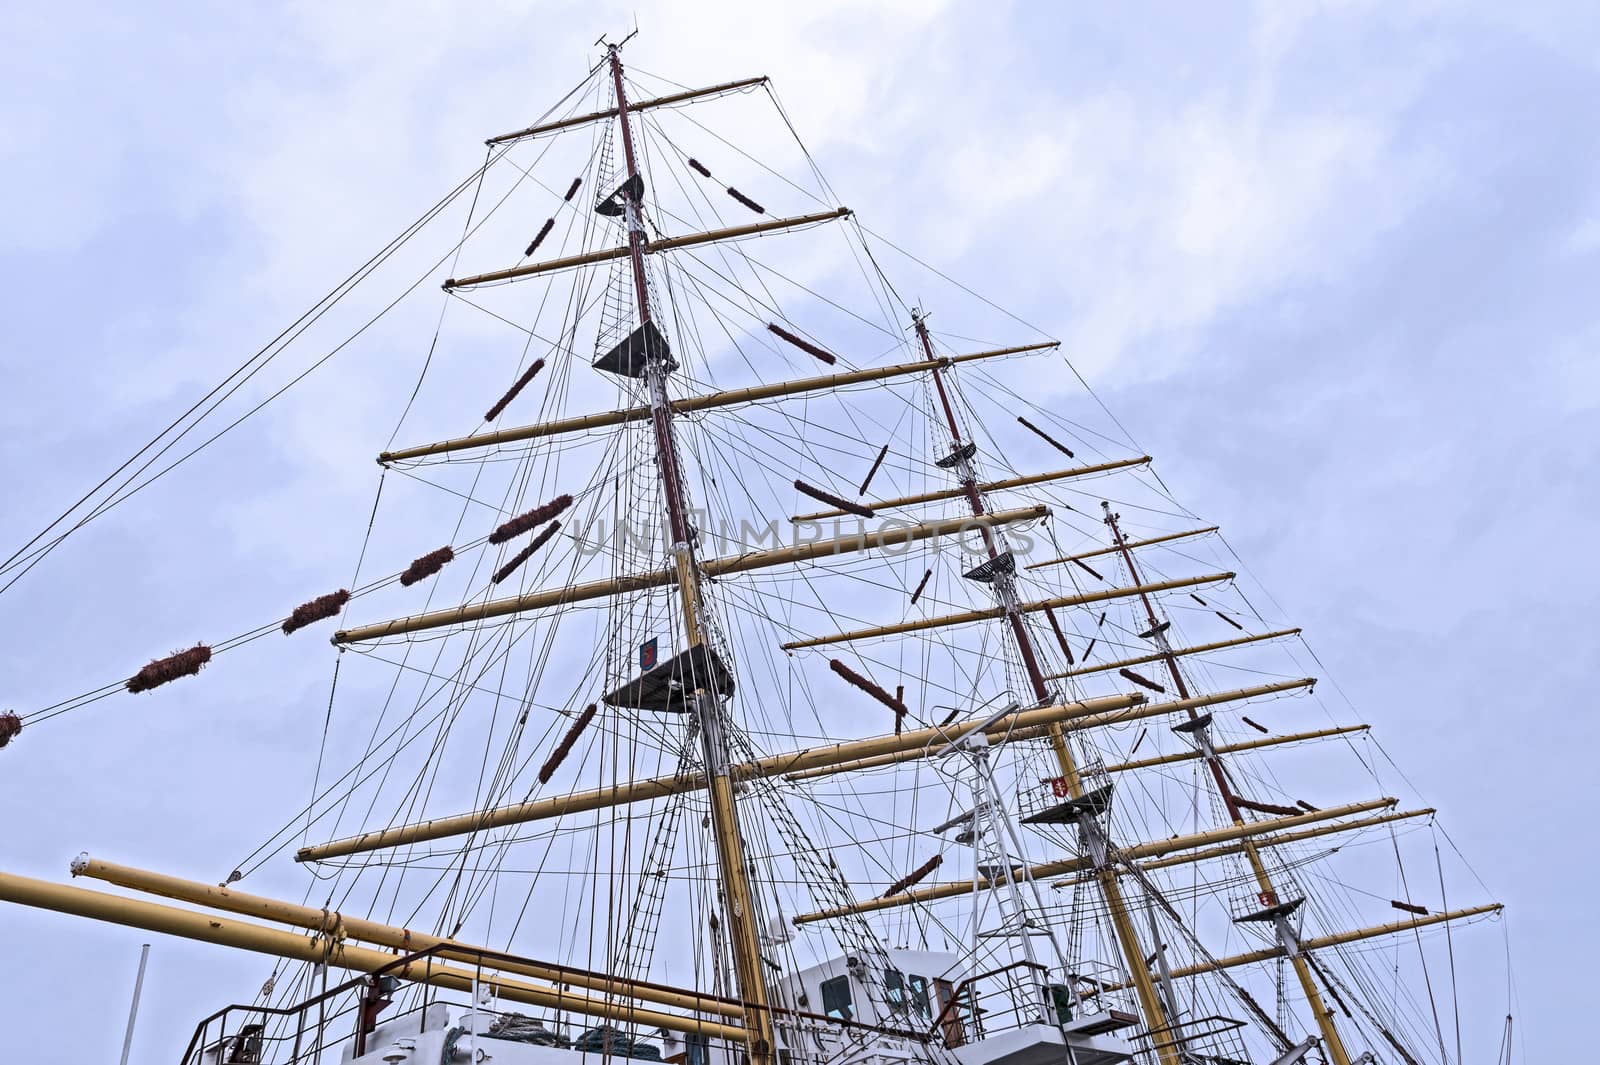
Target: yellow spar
column 214, row 928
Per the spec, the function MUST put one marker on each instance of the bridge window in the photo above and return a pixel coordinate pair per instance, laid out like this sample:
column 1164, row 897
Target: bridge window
column 906, row 992
column 836, row 998
column 918, row 987
column 894, row 989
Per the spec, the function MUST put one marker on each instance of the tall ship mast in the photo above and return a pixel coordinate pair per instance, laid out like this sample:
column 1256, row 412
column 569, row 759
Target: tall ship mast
column 778, row 674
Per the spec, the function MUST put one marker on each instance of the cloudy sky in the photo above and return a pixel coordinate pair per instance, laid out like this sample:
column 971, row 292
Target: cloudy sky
column 1333, row 264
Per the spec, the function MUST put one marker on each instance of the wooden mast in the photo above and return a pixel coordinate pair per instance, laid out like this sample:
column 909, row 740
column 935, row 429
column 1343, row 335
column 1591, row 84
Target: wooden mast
column 739, row 905
column 1133, row 952
column 1330, row 1033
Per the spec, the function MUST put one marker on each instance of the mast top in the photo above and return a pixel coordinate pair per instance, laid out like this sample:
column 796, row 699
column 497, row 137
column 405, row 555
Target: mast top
column 617, row 47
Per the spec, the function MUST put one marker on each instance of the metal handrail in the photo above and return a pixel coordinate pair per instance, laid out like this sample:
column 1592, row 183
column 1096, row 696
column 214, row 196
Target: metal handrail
column 362, row 981
column 490, row 959
column 960, row 989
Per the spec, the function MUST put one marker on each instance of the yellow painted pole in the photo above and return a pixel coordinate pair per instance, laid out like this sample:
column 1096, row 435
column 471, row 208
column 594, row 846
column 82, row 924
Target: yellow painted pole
column 642, row 105
column 1332, row 1043
column 1290, row 837
column 1280, row 840
column 1179, row 652
column 999, row 612
column 334, row 923
column 716, row 567
column 1083, row 556
column 991, row 486
column 1336, row 940
column 1150, row 1003
column 878, row 761
column 665, row 244
column 688, row 404
column 1233, row 748
column 912, row 743
column 660, row 787
column 1133, row 852
column 1079, row 722
column 214, row 928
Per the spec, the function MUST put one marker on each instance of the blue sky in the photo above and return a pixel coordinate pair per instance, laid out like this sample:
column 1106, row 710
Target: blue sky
column 1333, row 264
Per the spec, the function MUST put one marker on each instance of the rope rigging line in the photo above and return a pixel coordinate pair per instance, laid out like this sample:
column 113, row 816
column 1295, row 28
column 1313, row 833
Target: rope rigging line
column 521, row 695
column 228, row 386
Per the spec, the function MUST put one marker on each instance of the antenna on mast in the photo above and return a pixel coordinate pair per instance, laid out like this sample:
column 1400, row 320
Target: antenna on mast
column 608, row 46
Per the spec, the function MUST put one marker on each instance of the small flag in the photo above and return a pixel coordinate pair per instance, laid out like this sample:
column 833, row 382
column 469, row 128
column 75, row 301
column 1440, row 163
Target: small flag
column 647, row 654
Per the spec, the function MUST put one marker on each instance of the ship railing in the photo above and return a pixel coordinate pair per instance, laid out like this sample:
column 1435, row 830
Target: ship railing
column 999, row 1000
column 1089, row 981
column 1213, row 1040
column 1022, row 994
column 351, row 1011
column 820, row 1038
column 255, row 1034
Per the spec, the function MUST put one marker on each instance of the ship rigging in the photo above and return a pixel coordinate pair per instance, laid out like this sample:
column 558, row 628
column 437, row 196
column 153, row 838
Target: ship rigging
column 663, row 762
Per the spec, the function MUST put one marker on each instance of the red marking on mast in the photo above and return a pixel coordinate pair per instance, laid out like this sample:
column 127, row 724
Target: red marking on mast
column 1019, row 631
column 660, row 418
